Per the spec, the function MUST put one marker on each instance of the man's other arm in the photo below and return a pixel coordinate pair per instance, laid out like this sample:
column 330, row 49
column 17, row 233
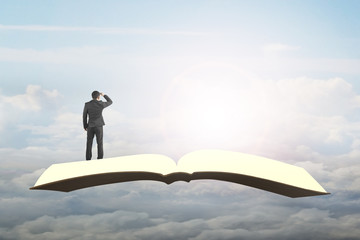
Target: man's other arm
column 85, row 113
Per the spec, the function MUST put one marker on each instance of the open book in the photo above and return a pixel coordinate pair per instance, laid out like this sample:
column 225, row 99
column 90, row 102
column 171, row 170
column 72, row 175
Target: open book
column 250, row 170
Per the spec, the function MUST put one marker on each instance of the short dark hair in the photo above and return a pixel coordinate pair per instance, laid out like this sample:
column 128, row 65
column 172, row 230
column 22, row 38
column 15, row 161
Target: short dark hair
column 95, row 94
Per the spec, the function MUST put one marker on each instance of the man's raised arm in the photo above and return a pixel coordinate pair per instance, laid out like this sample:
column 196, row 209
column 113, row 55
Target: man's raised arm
column 108, row 100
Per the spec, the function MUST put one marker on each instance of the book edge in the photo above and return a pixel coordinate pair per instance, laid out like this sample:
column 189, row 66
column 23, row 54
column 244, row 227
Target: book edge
column 110, row 178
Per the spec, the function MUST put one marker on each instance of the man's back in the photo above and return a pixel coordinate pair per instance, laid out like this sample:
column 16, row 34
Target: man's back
column 94, row 109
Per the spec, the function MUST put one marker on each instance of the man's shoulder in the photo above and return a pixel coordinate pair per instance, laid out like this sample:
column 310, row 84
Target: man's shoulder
column 89, row 102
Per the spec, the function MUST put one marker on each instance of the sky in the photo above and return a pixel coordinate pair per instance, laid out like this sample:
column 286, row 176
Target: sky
column 278, row 79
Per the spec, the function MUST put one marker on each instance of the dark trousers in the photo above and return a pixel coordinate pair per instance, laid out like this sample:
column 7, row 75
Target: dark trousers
column 98, row 132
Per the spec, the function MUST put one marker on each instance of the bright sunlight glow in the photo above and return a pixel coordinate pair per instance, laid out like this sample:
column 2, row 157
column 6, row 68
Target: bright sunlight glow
column 213, row 104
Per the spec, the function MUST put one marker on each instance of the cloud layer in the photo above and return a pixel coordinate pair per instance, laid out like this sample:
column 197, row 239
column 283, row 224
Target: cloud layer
column 34, row 99
column 309, row 122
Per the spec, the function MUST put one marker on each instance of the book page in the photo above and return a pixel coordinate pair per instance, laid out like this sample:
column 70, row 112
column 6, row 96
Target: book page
column 155, row 163
column 249, row 165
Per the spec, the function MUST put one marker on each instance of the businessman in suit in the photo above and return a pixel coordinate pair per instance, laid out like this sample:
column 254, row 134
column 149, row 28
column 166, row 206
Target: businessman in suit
column 94, row 126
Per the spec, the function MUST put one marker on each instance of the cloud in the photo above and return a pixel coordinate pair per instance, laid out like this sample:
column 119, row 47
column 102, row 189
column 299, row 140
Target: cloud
column 259, row 116
column 333, row 96
column 36, row 105
column 312, row 111
column 64, row 132
column 34, row 99
column 195, row 210
column 2, row 116
column 307, row 222
column 81, row 226
column 97, row 30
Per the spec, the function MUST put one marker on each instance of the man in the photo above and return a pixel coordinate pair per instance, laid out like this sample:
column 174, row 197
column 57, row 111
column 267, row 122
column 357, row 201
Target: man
column 96, row 122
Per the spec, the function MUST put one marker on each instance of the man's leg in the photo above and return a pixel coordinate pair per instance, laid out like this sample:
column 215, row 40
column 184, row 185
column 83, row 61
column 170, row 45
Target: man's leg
column 89, row 142
column 99, row 140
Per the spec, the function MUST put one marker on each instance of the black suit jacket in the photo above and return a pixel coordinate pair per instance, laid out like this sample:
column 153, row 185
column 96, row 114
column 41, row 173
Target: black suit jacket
column 94, row 109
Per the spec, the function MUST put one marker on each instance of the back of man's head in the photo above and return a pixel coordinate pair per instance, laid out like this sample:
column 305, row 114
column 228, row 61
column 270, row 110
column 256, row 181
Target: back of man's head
column 95, row 95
